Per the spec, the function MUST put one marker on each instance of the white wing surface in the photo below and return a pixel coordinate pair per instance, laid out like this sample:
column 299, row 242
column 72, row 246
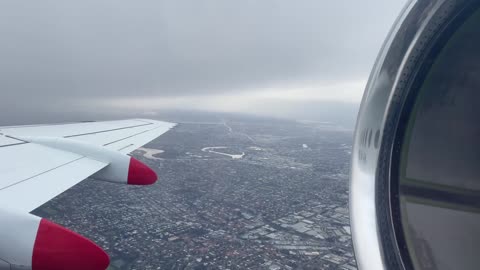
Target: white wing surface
column 31, row 172
column 39, row 162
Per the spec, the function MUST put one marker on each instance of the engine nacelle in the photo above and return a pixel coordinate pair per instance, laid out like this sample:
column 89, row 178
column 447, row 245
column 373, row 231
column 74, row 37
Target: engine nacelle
column 415, row 187
column 34, row 243
column 121, row 168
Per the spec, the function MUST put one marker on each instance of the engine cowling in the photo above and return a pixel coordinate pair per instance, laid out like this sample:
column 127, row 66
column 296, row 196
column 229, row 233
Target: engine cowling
column 121, row 168
column 415, row 190
column 34, row 243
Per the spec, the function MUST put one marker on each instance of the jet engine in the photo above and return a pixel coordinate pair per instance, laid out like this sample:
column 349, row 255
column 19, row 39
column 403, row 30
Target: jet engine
column 33, row 243
column 415, row 177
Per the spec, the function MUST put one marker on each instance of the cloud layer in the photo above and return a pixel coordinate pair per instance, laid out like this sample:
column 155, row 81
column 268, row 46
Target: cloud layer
column 66, row 54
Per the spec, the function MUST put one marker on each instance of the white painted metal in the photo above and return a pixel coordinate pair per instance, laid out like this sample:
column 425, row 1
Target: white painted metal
column 113, row 134
column 116, row 171
column 18, row 232
column 125, row 140
column 30, row 194
column 20, row 162
column 130, row 144
column 33, row 173
column 118, row 163
column 4, row 141
column 92, row 151
column 62, row 130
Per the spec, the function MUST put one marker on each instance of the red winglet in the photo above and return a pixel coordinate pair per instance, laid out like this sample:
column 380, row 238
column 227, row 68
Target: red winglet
column 140, row 174
column 57, row 248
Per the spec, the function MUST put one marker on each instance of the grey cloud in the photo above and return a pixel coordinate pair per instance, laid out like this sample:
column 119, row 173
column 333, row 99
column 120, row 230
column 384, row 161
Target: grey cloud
column 53, row 50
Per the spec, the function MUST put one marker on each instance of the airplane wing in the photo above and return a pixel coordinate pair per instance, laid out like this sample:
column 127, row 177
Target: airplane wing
column 39, row 162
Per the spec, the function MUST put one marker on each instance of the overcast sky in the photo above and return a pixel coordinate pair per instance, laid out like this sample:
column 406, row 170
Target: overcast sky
column 269, row 57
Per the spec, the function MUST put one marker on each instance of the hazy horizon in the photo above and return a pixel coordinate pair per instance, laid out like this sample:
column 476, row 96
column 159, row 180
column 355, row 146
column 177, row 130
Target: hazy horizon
column 306, row 60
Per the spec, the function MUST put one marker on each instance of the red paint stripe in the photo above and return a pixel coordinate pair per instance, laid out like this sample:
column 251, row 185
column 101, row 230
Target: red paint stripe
column 140, row 174
column 57, row 248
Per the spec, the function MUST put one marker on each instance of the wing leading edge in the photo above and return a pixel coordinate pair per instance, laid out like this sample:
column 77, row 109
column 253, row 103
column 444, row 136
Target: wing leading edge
column 32, row 172
column 39, row 162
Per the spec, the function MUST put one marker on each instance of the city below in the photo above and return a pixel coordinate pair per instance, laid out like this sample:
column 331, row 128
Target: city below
column 240, row 193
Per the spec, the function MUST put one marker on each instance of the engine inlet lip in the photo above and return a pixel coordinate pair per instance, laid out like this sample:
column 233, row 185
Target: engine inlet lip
column 417, row 37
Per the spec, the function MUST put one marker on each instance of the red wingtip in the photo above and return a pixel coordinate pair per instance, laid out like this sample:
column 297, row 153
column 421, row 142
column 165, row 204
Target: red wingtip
column 140, row 174
column 57, row 248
